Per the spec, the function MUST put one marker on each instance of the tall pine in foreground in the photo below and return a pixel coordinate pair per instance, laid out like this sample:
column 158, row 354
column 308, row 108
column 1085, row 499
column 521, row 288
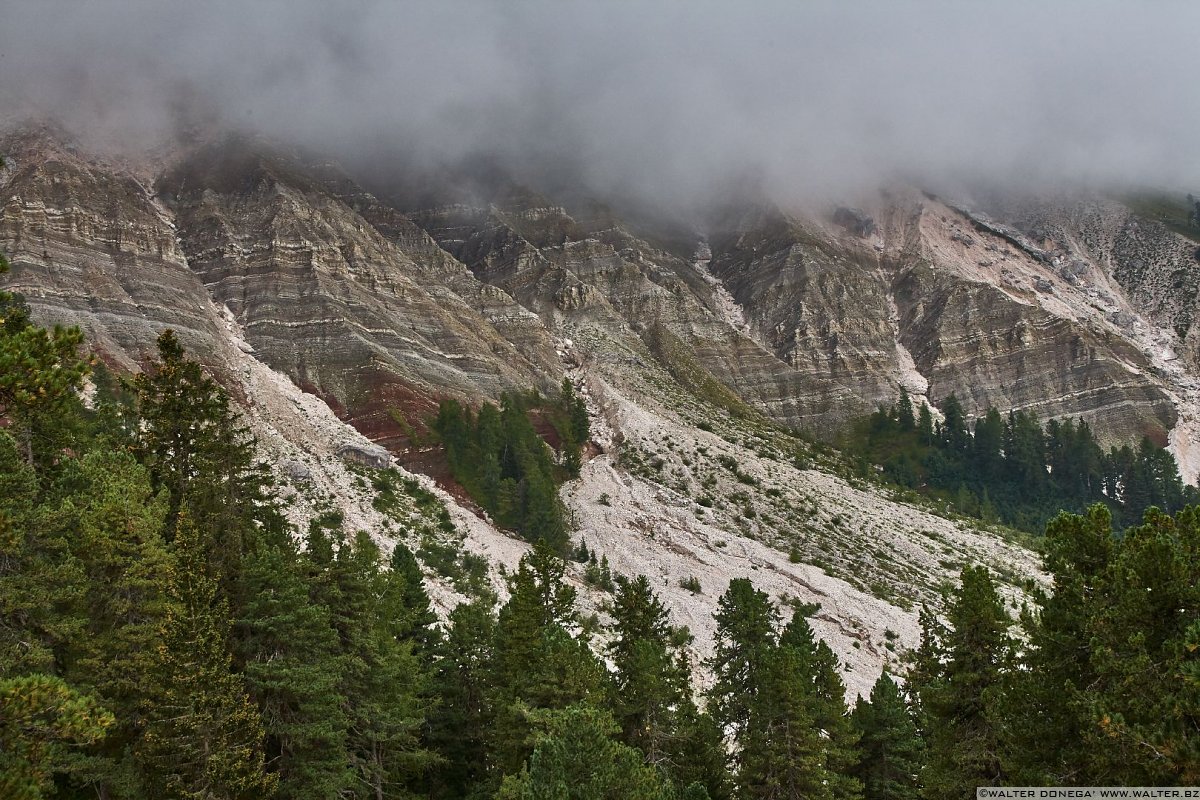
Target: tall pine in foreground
column 891, row 751
column 538, row 663
column 576, row 757
column 204, row 738
column 958, row 687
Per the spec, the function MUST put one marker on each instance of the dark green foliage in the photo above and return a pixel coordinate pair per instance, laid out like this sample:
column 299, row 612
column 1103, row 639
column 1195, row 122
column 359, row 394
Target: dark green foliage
column 891, row 750
column 294, row 667
column 162, row 636
column 459, row 724
column 1012, row 470
column 40, row 375
column 575, row 757
column 746, row 623
column 652, row 678
column 195, row 449
column 382, row 681
column 501, row 461
column 957, row 679
column 1112, row 652
column 41, row 717
column 537, row 662
column 203, row 735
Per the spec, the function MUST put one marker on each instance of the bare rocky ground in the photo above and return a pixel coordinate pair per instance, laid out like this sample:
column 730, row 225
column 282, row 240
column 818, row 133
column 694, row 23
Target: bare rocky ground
column 769, row 519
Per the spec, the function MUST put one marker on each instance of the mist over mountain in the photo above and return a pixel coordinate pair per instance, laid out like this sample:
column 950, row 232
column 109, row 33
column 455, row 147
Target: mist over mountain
column 669, row 103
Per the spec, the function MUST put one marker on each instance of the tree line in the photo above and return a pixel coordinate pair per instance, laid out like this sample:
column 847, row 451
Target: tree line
column 497, row 456
column 164, row 633
column 1011, row 469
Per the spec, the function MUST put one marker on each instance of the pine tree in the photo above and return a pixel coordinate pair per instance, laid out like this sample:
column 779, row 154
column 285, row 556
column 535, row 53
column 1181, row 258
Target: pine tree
column 204, row 737
column 460, row 722
column 196, row 450
column 576, row 757
column 41, row 583
column 817, row 672
column 904, row 412
column 40, row 718
column 385, row 686
column 293, row 669
column 418, row 611
column 652, row 679
column 40, row 377
column 538, row 663
column 1144, row 726
column 1045, row 709
column 781, row 752
column 890, row 748
column 746, row 622
column 958, row 704
column 113, row 521
column 700, row 757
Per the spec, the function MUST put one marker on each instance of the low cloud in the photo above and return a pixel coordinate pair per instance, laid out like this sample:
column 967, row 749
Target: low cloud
column 669, row 102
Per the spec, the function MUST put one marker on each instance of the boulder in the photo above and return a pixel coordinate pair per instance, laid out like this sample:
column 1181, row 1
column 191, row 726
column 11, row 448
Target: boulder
column 367, row 455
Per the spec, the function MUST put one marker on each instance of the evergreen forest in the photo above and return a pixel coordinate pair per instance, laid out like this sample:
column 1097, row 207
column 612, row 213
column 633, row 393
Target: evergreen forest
column 1012, row 470
column 164, row 632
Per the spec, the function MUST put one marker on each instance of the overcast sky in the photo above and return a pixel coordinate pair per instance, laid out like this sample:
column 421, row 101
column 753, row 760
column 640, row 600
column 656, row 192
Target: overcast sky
column 669, row 100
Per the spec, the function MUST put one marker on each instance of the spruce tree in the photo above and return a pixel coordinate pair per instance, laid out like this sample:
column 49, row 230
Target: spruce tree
column 746, row 622
column 418, row 612
column 890, row 747
column 204, row 737
column 958, row 700
column 41, row 583
column 652, row 679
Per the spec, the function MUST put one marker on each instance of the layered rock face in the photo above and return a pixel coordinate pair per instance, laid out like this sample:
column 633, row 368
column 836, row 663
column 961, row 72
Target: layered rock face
column 92, row 247
column 987, row 315
column 809, row 319
column 332, row 301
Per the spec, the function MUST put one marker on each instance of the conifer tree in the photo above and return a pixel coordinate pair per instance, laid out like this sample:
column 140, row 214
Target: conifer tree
column 294, row 671
column 1045, row 708
column 204, row 737
column 385, row 687
column 818, row 670
column 459, row 724
column 576, row 757
column 538, row 663
column 781, row 752
column 1144, row 724
column 890, row 747
column 958, row 694
column 701, row 758
column 113, row 521
column 652, row 679
column 41, row 583
column 196, row 450
column 40, row 718
column 904, row 409
column 418, row 612
column 746, row 622
column 40, row 377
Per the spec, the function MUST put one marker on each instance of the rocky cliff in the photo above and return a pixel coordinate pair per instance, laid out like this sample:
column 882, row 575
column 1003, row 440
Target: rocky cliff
column 338, row 316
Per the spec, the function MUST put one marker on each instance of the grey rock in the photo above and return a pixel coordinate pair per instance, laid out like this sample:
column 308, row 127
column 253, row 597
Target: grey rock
column 365, row 455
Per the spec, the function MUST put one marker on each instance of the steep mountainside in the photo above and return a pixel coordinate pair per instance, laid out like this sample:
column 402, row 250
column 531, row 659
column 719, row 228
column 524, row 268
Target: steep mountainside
column 338, row 319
